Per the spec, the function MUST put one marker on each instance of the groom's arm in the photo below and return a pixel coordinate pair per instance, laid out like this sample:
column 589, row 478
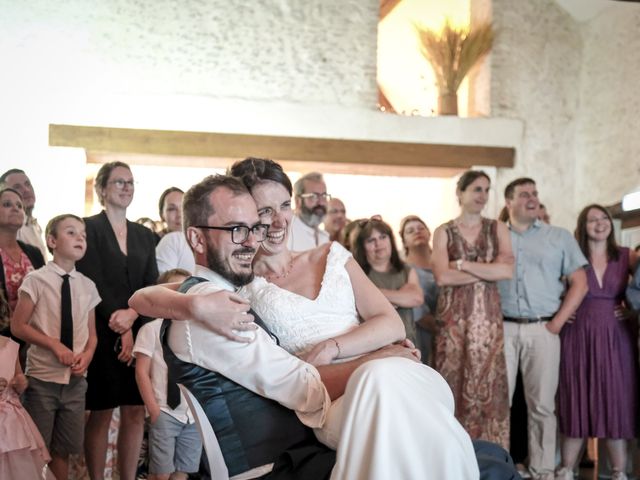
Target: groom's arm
column 336, row 376
column 223, row 312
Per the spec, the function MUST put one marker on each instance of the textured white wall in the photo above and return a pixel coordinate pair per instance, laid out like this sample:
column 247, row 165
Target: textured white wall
column 607, row 139
column 574, row 85
column 535, row 73
column 301, row 51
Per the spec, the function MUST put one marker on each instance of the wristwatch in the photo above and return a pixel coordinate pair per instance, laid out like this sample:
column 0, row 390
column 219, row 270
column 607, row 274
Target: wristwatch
column 459, row 264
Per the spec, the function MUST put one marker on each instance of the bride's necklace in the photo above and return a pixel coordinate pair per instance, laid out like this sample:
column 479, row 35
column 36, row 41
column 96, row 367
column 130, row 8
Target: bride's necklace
column 284, row 274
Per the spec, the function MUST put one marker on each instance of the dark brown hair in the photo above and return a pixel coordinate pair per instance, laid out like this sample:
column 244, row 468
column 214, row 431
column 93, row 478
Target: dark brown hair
column 504, row 215
column 11, row 171
column 510, row 189
column 583, row 239
column 253, row 170
column 12, row 190
column 365, row 229
column 102, row 177
column 196, row 208
column 468, row 177
column 163, row 197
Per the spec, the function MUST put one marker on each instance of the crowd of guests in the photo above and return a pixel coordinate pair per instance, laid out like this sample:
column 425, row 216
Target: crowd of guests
column 485, row 300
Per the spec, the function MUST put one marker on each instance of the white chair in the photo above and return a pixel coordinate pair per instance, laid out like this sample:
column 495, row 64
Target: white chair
column 210, row 443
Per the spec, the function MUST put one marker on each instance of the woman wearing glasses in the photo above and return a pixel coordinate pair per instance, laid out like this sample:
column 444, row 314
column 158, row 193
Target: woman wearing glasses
column 598, row 384
column 470, row 253
column 120, row 259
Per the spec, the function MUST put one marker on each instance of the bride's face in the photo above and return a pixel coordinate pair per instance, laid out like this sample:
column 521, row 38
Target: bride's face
column 274, row 208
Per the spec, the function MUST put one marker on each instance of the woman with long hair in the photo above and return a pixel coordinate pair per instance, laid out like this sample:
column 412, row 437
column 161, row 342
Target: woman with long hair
column 470, row 254
column 120, row 259
column 375, row 251
column 598, row 384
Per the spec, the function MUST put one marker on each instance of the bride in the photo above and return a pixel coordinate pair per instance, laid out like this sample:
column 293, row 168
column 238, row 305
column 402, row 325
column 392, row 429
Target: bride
column 322, row 307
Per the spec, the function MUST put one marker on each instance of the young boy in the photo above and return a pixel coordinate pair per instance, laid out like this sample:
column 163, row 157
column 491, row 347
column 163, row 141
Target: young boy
column 55, row 314
column 175, row 446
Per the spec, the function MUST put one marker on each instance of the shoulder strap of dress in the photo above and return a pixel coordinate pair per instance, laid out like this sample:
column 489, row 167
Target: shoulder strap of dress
column 338, row 254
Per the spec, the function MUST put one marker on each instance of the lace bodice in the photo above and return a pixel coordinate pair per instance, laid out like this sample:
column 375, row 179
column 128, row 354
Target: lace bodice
column 300, row 322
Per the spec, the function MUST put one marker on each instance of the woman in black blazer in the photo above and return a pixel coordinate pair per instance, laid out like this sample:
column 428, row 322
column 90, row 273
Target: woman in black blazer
column 120, row 259
column 15, row 256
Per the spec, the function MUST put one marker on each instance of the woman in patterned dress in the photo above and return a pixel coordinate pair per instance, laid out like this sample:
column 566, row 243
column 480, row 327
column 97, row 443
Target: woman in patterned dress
column 470, row 253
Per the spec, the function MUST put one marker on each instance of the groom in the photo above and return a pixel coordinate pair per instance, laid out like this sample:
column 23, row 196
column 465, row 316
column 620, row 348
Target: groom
column 260, row 400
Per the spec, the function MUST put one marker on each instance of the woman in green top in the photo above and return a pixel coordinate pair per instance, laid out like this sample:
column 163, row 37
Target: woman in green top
column 375, row 250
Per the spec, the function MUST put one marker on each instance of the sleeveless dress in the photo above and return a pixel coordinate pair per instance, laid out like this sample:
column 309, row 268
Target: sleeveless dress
column 394, row 280
column 470, row 341
column 598, row 386
column 23, row 453
column 413, row 399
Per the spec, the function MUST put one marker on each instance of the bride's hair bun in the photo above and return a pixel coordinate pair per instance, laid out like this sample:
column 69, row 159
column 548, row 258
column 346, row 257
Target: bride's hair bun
column 254, row 170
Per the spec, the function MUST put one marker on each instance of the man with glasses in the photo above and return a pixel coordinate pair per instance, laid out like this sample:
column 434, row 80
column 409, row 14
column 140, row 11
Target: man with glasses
column 311, row 199
column 31, row 232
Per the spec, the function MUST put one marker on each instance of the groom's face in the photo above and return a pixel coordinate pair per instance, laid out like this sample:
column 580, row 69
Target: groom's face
column 229, row 259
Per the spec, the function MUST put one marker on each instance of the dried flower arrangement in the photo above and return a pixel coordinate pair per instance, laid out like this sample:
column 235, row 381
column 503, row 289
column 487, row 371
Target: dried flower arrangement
column 452, row 53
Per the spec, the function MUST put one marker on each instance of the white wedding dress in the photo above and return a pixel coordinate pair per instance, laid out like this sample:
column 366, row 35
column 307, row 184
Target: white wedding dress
column 409, row 409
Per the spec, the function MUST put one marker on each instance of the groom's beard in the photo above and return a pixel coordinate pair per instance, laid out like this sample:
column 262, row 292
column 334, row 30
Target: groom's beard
column 221, row 266
column 313, row 216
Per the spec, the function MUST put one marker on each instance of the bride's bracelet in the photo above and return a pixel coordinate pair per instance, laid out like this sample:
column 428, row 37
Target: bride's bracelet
column 337, row 346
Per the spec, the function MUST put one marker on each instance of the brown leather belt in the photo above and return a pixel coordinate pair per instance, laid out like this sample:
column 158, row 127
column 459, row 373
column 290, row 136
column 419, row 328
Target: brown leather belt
column 527, row 319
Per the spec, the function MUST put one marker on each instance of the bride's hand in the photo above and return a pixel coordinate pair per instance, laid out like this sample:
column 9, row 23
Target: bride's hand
column 225, row 313
column 322, row 354
column 404, row 349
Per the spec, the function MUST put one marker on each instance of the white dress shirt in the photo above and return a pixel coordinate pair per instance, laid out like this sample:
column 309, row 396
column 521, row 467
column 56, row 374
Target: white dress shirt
column 31, row 234
column 303, row 237
column 148, row 343
column 173, row 252
column 260, row 366
column 43, row 287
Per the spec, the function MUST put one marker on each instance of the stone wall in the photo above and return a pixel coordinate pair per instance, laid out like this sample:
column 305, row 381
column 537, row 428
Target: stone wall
column 535, row 73
column 607, row 139
column 310, row 51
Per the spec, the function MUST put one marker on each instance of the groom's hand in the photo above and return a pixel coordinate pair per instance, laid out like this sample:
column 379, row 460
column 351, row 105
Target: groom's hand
column 226, row 313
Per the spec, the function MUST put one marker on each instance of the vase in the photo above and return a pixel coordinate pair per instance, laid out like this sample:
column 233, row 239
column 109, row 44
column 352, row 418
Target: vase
column 448, row 104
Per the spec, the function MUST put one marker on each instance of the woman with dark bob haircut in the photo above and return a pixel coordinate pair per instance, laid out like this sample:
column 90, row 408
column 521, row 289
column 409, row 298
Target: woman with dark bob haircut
column 598, row 383
column 470, row 254
column 120, row 259
column 375, row 251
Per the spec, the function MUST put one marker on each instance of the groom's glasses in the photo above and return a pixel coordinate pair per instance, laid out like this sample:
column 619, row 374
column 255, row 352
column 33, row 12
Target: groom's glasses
column 240, row 233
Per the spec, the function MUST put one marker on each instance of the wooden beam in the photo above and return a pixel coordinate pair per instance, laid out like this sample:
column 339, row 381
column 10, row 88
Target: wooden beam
column 230, row 145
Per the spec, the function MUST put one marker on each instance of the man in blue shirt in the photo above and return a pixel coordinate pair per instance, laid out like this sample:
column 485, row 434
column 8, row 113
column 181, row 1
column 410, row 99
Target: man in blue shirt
column 536, row 303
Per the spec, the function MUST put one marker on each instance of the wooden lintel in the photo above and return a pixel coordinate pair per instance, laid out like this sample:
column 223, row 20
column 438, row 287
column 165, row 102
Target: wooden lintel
column 228, row 145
